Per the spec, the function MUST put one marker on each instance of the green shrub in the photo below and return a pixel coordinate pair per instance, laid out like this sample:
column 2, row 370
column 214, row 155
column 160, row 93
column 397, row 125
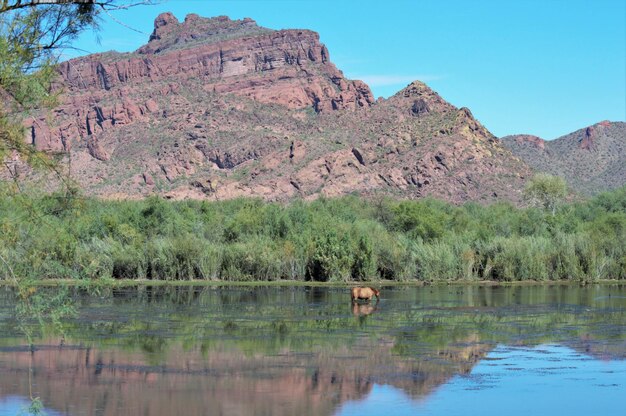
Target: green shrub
column 331, row 259
column 341, row 239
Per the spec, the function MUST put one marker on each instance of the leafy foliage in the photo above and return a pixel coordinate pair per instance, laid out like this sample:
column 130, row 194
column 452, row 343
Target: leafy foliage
column 546, row 191
column 32, row 35
column 345, row 239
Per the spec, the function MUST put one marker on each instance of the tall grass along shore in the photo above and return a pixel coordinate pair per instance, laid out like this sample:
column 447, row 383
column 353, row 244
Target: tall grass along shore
column 329, row 240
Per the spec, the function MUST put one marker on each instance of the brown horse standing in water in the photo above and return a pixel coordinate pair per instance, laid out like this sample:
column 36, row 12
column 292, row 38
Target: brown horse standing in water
column 364, row 293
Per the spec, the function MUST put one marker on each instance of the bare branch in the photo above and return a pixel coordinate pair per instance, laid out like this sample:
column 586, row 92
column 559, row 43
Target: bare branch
column 7, row 5
column 122, row 23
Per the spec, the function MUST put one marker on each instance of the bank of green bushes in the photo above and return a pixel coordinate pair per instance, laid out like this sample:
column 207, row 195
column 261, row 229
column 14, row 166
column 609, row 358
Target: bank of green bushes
column 343, row 239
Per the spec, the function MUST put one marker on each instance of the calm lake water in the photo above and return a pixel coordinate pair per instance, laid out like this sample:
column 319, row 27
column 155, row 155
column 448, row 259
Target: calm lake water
column 540, row 350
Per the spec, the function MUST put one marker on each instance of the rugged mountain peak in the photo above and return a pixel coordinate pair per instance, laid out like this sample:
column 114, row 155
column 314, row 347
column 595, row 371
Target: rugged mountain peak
column 418, row 99
column 591, row 159
column 170, row 34
column 164, row 24
column 530, row 140
column 164, row 19
column 415, row 88
column 196, row 57
column 219, row 108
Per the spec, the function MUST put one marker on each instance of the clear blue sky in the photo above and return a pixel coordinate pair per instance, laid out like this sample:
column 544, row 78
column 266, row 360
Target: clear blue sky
column 543, row 67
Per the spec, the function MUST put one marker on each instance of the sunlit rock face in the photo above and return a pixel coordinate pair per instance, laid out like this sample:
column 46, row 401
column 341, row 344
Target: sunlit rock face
column 214, row 108
column 287, row 67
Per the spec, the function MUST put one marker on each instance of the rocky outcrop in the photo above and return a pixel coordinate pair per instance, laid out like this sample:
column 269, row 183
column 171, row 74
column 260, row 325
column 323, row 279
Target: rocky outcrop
column 587, row 141
column 77, row 120
column 219, row 108
column 530, row 140
column 287, row 67
column 418, row 99
column 95, row 150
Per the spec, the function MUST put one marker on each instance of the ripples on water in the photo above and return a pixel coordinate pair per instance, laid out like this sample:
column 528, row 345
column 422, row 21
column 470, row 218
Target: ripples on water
column 308, row 351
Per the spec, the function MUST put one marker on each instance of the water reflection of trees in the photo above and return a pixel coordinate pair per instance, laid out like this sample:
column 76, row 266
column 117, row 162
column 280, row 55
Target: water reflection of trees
column 291, row 350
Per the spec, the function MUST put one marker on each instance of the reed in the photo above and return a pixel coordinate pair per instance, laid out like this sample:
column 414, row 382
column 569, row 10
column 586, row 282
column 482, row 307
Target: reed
column 336, row 240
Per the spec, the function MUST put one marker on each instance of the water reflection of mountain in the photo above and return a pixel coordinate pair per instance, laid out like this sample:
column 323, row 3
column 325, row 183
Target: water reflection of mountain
column 304, row 351
column 78, row 379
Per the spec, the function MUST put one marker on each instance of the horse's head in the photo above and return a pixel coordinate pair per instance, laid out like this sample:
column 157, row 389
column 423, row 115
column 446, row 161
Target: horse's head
column 376, row 293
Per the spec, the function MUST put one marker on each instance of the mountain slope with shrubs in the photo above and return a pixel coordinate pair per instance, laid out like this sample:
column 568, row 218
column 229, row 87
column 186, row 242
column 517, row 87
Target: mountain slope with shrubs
column 591, row 160
column 218, row 108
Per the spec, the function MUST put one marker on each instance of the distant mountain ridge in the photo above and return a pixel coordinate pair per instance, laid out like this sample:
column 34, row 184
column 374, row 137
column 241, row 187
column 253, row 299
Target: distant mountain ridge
column 214, row 108
column 591, row 160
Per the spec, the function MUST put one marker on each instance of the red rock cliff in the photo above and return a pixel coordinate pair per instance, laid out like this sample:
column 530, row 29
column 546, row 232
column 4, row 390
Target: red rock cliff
column 286, row 67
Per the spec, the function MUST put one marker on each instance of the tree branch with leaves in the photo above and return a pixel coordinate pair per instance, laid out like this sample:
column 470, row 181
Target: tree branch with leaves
column 32, row 35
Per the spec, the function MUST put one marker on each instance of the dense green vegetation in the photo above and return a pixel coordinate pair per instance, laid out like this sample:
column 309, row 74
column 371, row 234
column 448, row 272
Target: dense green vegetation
column 344, row 239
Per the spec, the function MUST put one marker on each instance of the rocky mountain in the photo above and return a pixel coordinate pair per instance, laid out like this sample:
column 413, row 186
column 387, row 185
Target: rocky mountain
column 591, row 160
column 218, row 108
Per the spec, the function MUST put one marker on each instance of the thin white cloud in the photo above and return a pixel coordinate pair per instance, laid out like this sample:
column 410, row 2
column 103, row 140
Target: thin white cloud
column 387, row 80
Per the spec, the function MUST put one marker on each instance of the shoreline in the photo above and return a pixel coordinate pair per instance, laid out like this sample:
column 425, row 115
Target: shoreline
column 295, row 283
